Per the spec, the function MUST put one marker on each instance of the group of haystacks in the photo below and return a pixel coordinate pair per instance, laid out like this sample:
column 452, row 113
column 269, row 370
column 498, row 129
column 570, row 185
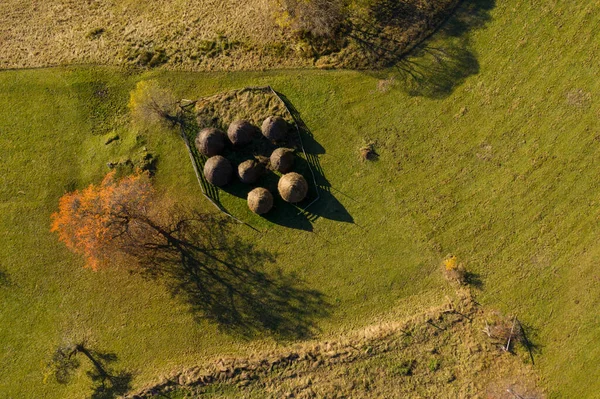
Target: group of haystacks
column 219, row 171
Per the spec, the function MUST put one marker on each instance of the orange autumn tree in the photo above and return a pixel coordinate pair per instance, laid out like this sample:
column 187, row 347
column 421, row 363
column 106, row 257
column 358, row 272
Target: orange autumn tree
column 91, row 222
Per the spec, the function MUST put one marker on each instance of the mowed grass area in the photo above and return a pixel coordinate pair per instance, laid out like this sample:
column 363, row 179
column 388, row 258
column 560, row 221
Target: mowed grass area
column 50, row 298
column 502, row 172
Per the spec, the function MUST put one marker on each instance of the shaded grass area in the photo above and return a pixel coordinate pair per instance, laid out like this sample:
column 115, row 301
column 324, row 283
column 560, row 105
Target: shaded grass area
column 227, row 280
column 500, row 172
column 106, row 382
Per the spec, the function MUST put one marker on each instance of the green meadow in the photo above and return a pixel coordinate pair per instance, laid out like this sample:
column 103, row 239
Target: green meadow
column 492, row 155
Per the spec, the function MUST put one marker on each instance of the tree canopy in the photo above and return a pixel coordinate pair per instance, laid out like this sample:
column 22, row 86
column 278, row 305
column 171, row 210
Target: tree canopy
column 91, row 220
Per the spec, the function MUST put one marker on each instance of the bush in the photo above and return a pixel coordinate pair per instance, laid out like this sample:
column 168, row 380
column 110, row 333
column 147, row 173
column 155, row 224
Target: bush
column 504, row 331
column 454, row 271
column 320, row 18
column 434, row 365
column 149, row 103
column 404, row 368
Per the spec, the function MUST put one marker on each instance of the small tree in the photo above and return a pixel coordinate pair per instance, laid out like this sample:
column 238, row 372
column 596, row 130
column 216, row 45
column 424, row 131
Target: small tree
column 149, row 102
column 92, row 221
column 320, row 18
column 453, row 270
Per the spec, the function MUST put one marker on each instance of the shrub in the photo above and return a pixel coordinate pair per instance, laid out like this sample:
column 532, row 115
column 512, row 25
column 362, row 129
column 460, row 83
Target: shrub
column 434, row 365
column 368, row 153
column 320, row 18
column 90, row 222
column 454, row 271
column 149, row 102
column 404, row 368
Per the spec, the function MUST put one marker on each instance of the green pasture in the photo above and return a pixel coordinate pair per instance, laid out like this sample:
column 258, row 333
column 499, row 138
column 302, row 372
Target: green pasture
column 491, row 155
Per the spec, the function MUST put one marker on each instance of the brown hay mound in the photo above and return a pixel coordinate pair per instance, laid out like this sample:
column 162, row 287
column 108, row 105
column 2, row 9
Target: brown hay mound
column 275, row 128
column 218, row 170
column 241, row 132
column 260, row 200
column 210, row 141
column 282, row 160
column 250, row 171
column 292, row 187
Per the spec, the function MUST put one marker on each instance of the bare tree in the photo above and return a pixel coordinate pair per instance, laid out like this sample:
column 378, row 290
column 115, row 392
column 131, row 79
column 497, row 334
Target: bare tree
column 149, row 102
column 320, row 18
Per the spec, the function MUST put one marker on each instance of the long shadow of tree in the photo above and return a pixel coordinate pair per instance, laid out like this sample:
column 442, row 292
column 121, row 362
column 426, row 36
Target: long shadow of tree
column 106, row 381
column 529, row 335
column 224, row 278
column 432, row 66
column 385, row 31
column 437, row 66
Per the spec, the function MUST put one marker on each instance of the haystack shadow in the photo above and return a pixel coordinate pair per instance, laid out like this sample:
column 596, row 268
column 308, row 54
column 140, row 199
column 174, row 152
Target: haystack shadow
column 327, row 205
column 298, row 216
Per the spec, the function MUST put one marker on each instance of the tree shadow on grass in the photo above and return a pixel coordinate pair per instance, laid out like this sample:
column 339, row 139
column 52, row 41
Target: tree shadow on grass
column 437, row 66
column 224, row 279
column 107, row 382
column 529, row 335
column 474, row 280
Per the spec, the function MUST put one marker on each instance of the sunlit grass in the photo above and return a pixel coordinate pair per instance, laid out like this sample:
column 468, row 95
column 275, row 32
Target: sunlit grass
column 501, row 172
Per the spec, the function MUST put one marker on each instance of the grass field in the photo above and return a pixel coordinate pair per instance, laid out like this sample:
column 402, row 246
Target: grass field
column 498, row 169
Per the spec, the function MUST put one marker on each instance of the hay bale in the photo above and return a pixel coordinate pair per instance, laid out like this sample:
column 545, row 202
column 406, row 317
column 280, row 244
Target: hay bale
column 260, row 200
column 250, row 171
column 241, row 132
column 275, row 128
column 282, row 160
column 292, row 187
column 218, row 170
column 210, row 141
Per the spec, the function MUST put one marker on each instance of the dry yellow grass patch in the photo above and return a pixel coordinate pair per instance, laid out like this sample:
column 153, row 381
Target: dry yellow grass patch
column 201, row 34
column 441, row 353
column 207, row 34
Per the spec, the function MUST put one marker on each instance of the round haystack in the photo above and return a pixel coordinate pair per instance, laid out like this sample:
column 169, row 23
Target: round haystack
column 282, row 160
column 218, row 170
column 210, row 141
column 275, row 128
column 249, row 171
column 292, row 187
column 241, row 132
column 260, row 200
